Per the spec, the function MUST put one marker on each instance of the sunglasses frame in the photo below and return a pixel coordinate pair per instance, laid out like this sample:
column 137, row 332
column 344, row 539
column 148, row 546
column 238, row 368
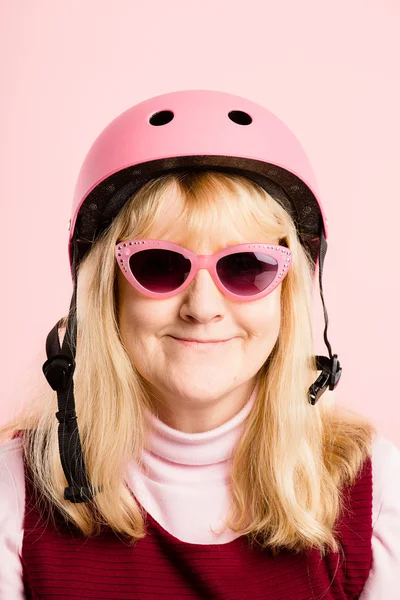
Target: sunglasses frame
column 125, row 249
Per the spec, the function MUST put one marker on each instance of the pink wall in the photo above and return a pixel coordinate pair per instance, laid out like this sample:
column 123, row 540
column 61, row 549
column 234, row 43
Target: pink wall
column 330, row 71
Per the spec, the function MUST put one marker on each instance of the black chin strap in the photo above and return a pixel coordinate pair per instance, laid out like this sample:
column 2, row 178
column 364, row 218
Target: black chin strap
column 330, row 367
column 59, row 370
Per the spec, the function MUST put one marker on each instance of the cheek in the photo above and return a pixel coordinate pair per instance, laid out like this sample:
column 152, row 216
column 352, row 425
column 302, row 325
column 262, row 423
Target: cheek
column 142, row 324
column 140, row 319
column 264, row 322
column 130, row 312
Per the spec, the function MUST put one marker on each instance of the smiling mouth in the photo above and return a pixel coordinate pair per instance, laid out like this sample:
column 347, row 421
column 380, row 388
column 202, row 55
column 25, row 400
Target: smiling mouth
column 195, row 343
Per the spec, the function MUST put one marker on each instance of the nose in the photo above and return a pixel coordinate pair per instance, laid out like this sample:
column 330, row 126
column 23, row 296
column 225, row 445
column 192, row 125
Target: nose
column 203, row 284
column 202, row 299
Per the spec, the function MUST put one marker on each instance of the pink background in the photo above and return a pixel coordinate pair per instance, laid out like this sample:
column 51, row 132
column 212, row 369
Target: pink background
column 330, row 71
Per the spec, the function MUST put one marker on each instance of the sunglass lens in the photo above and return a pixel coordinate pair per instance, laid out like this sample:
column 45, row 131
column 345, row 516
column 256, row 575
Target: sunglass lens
column 159, row 270
column 247, row 273
column 242, row 273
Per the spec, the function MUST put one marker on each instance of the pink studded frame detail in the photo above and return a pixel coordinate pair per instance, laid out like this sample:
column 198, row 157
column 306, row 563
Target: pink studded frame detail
column 244, row 272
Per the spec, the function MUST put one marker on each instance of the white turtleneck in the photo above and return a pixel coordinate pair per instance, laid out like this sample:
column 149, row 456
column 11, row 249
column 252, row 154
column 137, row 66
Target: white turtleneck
column 183, row 483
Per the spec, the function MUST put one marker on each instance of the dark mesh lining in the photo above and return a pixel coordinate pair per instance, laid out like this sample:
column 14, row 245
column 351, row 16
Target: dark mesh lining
column 108, row 197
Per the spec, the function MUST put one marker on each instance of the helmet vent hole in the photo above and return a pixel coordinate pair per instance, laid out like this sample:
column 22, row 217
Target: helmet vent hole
column 240, row 117
column 161, row 118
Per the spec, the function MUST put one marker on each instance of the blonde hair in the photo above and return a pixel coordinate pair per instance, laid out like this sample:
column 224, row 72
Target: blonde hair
column 292, row 459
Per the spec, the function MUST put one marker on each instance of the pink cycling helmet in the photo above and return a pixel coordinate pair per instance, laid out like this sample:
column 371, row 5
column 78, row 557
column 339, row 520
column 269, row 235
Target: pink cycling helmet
column 180, row 131
column 192, row 130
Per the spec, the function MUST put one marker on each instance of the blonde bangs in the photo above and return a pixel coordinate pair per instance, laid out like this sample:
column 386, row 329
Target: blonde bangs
column 192, row 207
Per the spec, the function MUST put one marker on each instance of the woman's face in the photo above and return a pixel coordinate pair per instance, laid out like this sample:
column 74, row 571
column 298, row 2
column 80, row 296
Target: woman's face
column 197, row 388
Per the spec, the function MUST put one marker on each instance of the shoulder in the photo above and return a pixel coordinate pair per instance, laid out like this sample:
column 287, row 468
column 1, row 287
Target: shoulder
column 12, row 485
column 12, row 511
column 385, row 461
column 384, row 577
column 11, row 464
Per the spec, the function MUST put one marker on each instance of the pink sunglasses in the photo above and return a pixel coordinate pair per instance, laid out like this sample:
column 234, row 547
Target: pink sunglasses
column 160, row 269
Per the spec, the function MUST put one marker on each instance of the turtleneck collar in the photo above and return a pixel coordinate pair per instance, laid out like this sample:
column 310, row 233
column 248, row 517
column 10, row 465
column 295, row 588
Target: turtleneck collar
column 204, row 448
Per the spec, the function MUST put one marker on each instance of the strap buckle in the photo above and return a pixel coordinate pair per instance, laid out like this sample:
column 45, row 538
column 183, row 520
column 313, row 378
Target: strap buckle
column 58, row 370
column 331, row 373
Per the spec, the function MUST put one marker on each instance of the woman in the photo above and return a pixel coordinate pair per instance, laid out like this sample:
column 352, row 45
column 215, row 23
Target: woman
column 217, row 468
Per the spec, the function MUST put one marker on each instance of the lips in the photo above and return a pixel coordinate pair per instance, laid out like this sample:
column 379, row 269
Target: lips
column 200, row 341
